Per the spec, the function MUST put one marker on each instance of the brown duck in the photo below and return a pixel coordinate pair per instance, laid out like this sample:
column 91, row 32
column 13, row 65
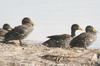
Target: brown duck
column 84, row 39
column 62, row 40
column 20, row 32
column 4, row 30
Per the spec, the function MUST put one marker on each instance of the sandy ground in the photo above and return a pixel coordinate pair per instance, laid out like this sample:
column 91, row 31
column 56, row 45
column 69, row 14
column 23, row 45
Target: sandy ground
column 39, row 55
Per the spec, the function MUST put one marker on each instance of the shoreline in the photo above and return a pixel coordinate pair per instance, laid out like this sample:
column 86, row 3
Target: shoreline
column 39, row 55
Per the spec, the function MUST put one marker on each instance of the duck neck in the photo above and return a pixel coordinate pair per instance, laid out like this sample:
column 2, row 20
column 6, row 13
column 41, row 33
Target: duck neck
column 73, row 33
column 5, row 28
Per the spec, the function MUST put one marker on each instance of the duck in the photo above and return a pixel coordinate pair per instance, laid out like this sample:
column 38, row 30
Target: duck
column 20, row 32
column 6, row 27
column 62, row 40
column 85, row 39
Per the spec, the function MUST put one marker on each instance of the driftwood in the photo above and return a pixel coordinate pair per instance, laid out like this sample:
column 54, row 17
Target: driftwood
column 39, row 55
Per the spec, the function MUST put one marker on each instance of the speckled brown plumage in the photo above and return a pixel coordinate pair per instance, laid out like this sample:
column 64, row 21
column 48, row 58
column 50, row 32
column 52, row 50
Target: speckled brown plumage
column 62, row 40
column 4, row 30
column 21, row 31
column 84, row 39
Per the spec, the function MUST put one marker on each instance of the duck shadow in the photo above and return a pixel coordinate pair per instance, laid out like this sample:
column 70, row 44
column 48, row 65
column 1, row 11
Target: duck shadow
column 7, row 42
column 1, row 41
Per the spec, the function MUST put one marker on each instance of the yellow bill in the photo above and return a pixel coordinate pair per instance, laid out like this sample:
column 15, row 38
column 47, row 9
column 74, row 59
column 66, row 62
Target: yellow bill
column 94, row 30
column 80, row 28
column 32, row 23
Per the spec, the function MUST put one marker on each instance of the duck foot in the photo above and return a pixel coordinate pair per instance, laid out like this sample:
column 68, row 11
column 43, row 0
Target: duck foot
column 23, row 45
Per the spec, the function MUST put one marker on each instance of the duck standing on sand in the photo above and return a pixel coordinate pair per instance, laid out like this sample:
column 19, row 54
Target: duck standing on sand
column 62, row 40
column 84, row 39
column 20, row 32
column 4, row 30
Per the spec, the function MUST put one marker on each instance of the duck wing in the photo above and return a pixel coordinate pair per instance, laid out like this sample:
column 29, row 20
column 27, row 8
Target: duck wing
column 19, row 32
column 79, row 40
column 58, row 40
column 58, row 37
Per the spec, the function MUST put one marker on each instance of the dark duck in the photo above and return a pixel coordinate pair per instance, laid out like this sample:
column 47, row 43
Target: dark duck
column 4, row 30
column 62, row 40
column 84, row 39
column 20, row 32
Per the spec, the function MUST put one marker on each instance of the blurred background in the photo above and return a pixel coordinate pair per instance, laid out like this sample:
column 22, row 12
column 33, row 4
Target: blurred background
column 52, row 16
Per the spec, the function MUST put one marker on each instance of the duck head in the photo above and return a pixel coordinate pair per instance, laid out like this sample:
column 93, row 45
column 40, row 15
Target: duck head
column 27, row 20
column 90, row 29
column 7, row 27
